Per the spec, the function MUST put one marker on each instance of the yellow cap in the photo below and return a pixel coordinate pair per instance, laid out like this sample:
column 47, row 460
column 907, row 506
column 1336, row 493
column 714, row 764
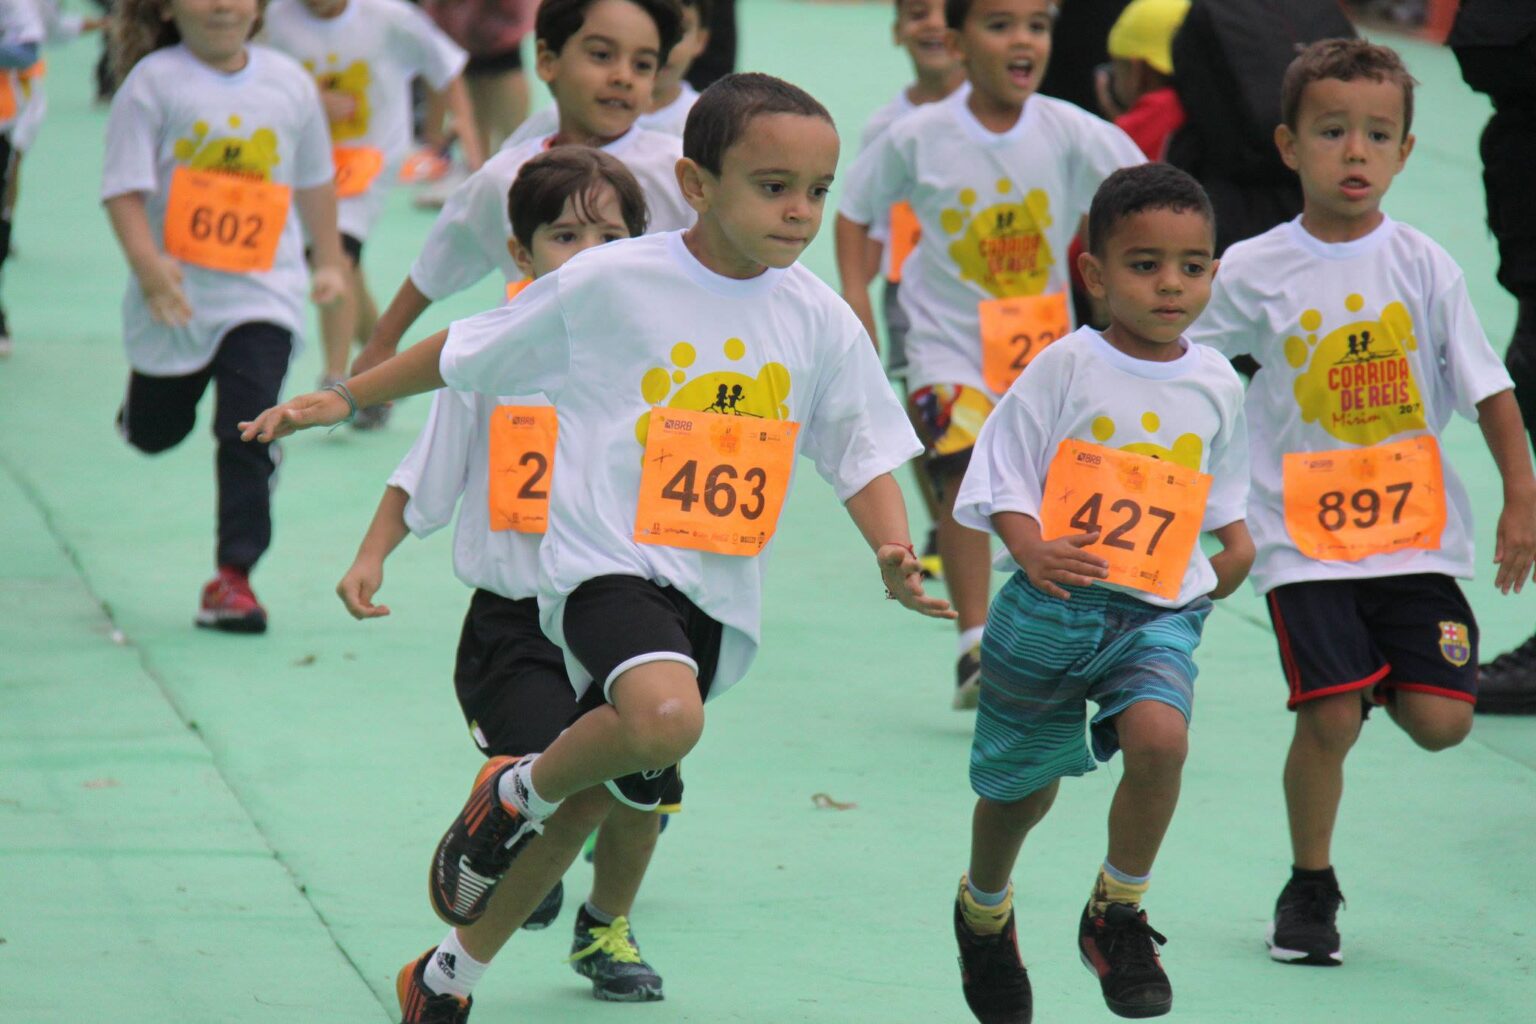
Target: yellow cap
column 1145, row 30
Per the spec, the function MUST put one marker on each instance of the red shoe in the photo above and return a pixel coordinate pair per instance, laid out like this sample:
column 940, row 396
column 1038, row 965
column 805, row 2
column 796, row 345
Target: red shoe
column 426, row 164
column 229, row 605
column 420, row 1005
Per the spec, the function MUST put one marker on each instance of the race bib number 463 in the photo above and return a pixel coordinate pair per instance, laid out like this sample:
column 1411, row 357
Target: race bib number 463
column 223, row 221
column 1146, row 511
column 712, row 482
column 1351, row 503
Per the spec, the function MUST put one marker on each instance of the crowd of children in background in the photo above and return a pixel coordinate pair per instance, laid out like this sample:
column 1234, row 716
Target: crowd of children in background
column 1057, row 331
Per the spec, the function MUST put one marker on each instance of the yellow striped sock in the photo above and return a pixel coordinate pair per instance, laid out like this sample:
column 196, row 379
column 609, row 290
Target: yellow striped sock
column 1109, row 889
column 984, row 920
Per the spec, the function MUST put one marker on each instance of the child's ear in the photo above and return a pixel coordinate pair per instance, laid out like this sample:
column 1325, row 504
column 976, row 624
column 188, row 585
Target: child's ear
column 1407, row 148
column 1093, row 273
column 693, row 180
column 521, row 256
column 545, row 62
column 1285, row 142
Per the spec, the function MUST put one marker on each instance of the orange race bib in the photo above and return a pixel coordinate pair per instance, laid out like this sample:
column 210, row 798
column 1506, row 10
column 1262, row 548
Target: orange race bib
column 712, row 482
column 1351, row 503
column 1014, row 331
column 905, row 232
column 1147, row 512
column 522, row 466
column 224, row 222
column 356, row 169
column 8, row 104
column 515, row 288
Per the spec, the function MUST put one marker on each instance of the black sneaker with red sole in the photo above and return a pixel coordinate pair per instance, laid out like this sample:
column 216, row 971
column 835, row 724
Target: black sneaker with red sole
column 1120, row 948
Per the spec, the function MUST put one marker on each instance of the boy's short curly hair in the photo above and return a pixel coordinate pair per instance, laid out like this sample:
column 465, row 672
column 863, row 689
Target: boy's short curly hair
column 558, row 20
column 722, row 112
column 1133, row 190
column 956, row 11
column 544, row 184
column 1344, row 60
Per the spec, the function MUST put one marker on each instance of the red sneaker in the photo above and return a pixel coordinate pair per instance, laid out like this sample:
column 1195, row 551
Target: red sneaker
column 229, row 605
column 425, row 164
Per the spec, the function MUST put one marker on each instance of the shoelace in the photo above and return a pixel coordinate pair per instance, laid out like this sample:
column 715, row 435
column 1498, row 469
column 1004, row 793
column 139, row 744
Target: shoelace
column 1128, row 933
column 612, row 940
column 1315, row 901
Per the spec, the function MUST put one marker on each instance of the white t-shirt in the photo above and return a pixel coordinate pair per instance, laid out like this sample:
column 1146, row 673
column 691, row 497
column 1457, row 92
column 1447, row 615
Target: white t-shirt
column 371, row 51
column 1297, row 305
column 20, row 23
column 997, row 211
column 1188, row 411
column 639, row 323
column 878, row 122
column 669, row 120
column 469, row 238
column 263, row 121
column 449, row 465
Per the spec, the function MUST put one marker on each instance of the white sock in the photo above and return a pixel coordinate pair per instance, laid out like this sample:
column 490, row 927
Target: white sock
column 971, row 637
column 451, row 971
column 516, row 790
column 598, row 914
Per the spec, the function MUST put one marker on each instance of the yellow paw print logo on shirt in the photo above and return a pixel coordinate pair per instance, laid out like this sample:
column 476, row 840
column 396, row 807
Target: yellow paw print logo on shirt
column 352, row 82
column 1186, row 451
column 1002, row 248
column 721, row 390
column 1356, row 381
column 250, row 156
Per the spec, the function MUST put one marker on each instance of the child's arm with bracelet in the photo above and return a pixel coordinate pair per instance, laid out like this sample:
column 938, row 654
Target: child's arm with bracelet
column 1233, row 561
column 404, row 309
column 1050, row 563
column 366, row 575
column 1515, row 549
column 856, row 270
column 880, row 513
column 159, row 275
column 317, row 209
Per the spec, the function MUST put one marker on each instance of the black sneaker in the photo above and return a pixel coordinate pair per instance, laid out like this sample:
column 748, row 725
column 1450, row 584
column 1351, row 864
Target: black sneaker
column 420, row 1005
column 1120, row 947
column 932, row 564
column 1303, row 931
column 477, row 849
column 545, row 913
column 994, row 980
column 1507, row 684
column 608, row 955
column 968, row 680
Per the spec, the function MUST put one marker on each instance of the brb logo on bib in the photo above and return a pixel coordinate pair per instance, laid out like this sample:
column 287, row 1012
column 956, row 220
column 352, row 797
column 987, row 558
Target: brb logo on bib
column 1356, row 380
column 722, row 389
column 250, row 156
column 1002, row 248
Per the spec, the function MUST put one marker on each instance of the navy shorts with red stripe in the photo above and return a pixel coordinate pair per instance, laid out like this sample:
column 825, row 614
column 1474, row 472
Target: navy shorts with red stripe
column 1413, row 633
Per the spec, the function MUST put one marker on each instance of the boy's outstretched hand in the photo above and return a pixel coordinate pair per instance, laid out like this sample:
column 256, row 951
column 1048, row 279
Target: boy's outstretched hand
column 1515, row 548
column 903, row 577
column 316, row 409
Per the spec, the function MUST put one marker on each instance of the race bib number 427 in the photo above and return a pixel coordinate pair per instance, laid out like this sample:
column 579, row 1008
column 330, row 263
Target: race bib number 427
column 1147, row 512
column 712, row 482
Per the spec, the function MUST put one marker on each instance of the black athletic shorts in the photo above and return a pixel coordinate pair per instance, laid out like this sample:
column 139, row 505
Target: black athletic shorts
column 495, row 63
column 516, row 697
column 350, row 244
column 1411, row 633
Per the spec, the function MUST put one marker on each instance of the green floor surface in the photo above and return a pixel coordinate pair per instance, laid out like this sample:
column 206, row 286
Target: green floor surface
column 236, row 869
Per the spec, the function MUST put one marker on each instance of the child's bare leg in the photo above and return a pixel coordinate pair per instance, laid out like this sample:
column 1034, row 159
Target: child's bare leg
column 625, row 842
column 1326, row 729
column 997, row 833
column 1433, row 722
column 501, row 104
column 338, row 324
column 967, row 555
column 656, row 717
column 367, row 308
column 1154, row 739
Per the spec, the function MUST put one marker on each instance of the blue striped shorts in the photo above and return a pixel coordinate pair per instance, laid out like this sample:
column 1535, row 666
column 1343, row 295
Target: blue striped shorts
column 1043, row 659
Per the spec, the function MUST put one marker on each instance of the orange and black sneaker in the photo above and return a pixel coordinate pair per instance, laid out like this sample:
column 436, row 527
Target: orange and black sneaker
column 420, row 1005
column 992, row 977
column 229, row 604
column 478, row 848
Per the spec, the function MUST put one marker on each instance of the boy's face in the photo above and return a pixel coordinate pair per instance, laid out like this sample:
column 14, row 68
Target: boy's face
column 920, row 30
column 1155, row 273
column 602, row 78
column 772, row 190
column 213, row 29
column 1347, row 146
column 1004, row 45
column 687, row 50
column 582, row 225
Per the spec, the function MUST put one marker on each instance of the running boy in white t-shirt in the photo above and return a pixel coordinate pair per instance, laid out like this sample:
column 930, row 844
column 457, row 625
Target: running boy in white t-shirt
column 364, row 55
column 689, row 369
column 999, row 179
column 671, row 98
column 1099, row 470
column 601, row 57
column 216, row 150
column 489, row 458
column 1368, row 342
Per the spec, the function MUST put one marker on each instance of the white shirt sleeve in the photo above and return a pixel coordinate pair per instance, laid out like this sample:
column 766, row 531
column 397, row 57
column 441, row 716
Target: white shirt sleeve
column 461, row 248
column 436, row 57
column 1228, row 466
column 433, row 473
column 541, row 123
column 1103, row 149
column 857, row 429
column 1471, row 367
column 1007, row 468
column 880, row 176
column 312, row 161
column 1223, row 325
column 133, row 125
column 522, row 348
